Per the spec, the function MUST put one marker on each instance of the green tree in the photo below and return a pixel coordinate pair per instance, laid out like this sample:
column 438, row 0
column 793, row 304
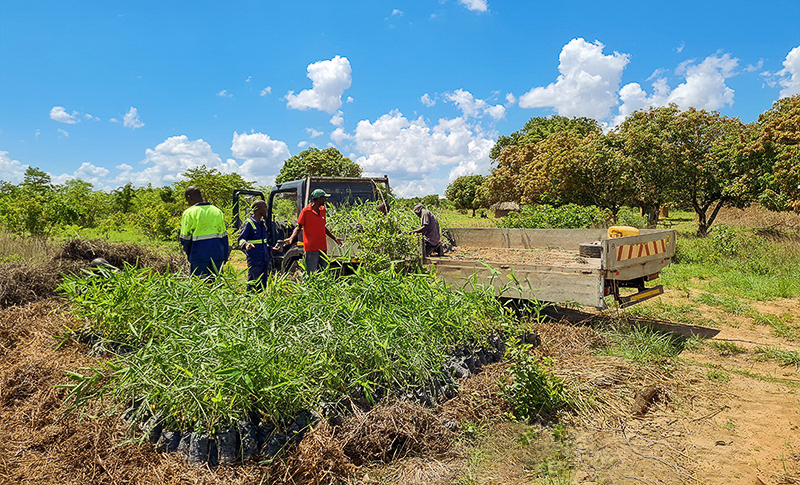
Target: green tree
column 463, row 191
column 645, row 138
column 779, row 144
column 315, row 162
column 84, row 206
column 523, row 162
column 539, row 128
column 217, row 187
column 32, row 208
column 713, row 171
column 695, row 158
column 123, row 198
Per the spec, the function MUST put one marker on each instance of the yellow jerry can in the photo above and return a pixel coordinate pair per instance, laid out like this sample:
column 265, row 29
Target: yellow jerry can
column 621, row 231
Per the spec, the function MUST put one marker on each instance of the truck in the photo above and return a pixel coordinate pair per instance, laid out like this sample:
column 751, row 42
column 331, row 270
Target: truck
column 566, row 266
column 578, row 266
column 286, row 200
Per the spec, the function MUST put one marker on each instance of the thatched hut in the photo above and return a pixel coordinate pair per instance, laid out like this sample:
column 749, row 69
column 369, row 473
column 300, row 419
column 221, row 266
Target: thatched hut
column 502, row 209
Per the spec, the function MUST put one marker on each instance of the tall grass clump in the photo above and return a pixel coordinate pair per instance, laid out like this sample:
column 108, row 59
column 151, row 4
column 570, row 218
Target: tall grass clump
column 642, row 344
column 207, row 353
column 737, row 263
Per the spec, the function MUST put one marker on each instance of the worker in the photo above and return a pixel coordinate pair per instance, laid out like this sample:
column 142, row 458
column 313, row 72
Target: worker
column 315, row 232
column 253, row 240
column 203, row 235
column 429, row 230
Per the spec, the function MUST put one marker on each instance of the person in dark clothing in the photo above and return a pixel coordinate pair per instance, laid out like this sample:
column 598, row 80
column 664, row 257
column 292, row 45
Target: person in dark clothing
column 253, row 240
column 429, row 231
column 203, row 235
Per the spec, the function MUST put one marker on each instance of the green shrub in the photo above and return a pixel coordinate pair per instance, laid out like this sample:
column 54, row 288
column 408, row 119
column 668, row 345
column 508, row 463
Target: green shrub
column 570, row 216
column 628, row 216
column 533, row 391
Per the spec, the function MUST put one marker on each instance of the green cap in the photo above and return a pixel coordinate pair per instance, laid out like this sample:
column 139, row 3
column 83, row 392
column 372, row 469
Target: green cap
column 319, row 193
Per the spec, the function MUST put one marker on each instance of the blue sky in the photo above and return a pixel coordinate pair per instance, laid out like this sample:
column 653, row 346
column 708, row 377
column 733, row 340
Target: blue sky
column 119, row 91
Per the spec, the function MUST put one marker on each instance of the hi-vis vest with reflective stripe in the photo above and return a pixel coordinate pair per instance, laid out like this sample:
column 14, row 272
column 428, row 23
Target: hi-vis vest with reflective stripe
column 203, row 233
column 255, row 233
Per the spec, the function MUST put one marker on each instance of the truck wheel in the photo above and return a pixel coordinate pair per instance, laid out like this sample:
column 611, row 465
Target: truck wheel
column 291, row 261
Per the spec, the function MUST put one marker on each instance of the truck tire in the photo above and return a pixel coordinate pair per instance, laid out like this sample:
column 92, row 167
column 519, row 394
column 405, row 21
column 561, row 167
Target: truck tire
column 291, row 260
column 590, row 250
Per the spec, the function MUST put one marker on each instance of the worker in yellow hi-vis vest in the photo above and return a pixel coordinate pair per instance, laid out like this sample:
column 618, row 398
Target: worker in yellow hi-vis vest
column 203, row 235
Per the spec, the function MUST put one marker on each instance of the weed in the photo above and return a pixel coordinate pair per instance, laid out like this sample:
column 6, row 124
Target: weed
column 730, row 425
column 642, row 344
column 660, row 310
column 785, row 357
column 727, row 303
column 717, row 376
column 726, row 348
column 533, row 391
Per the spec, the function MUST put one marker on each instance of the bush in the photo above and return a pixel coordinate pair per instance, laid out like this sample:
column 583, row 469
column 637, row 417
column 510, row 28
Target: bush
column 570, row 216
column 533, row 391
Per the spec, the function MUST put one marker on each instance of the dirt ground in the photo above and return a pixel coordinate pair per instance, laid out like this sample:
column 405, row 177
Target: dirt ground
column 718, row 418
column 549, row 257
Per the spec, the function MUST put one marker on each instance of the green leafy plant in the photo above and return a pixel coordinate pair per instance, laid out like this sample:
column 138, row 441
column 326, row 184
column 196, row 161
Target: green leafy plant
column 532, row 391
column 207, row 353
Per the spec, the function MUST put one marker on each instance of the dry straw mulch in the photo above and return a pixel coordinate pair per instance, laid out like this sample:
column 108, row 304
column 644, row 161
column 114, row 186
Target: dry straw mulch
column 22, row 283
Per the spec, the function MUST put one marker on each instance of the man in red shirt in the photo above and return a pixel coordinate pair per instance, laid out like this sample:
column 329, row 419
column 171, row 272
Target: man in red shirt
column 312, row 221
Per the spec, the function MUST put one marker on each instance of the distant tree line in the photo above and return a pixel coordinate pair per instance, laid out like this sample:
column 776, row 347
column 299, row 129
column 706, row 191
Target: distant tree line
column 694, row 159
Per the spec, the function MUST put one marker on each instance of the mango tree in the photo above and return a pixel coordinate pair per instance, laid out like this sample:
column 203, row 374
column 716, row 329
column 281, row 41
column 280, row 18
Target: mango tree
column 463, row 192
column 779, row 142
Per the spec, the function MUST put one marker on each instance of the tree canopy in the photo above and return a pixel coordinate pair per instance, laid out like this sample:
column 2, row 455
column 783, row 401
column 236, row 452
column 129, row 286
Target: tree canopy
column 217, row 187
column 315, row 162
column 463, row 191
column 779, row 143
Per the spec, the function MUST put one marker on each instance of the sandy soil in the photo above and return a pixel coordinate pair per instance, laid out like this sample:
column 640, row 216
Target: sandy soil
column 549, row 257
column 741, row 429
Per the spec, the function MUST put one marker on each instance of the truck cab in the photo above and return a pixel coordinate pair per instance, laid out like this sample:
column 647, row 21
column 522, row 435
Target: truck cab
column 286, row 200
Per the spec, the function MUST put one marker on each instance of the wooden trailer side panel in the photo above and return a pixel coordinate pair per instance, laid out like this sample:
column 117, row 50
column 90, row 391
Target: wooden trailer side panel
column 544, row 283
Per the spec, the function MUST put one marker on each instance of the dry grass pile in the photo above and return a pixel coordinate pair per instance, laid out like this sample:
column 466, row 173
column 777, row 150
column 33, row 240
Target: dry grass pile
column 41, row 445
column 119, row 254
column 22, row 282
column 389, row 431
column 604, row 387
column 758, row 217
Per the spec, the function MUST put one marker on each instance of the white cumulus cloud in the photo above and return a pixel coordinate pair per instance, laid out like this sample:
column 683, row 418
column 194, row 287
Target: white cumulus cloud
column 267, row 90
column 58, row 113
column 63, row 132
column 475, row 5
column 413, row 150
column 704, row 87
column 169, row 159
column 474, row 108
column 13, row 171
column 330, row 79
column 789, row 76
column 131, row 119
column 313, row 133
column 427, row 100
column 587, row 85
column 262, row 156
column 87, row 172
